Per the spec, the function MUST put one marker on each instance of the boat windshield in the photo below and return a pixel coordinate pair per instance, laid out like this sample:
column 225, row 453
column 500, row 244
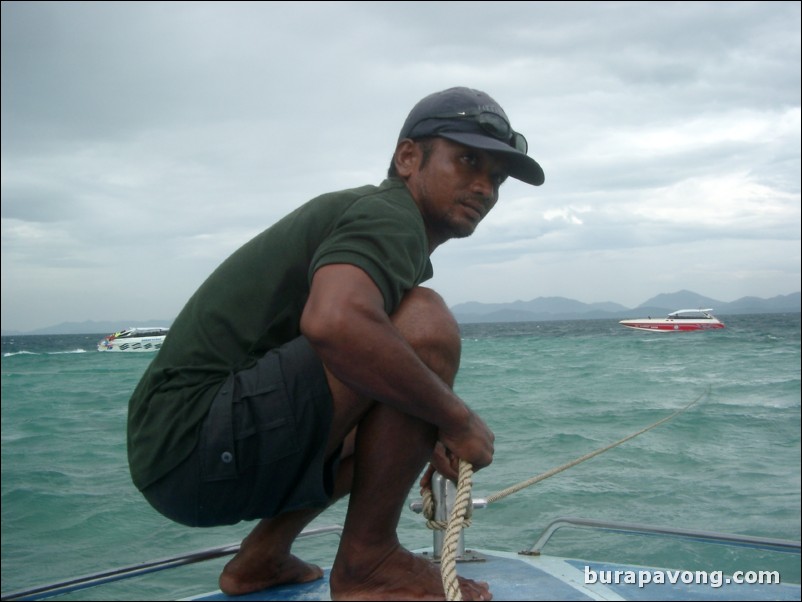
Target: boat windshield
column 691, row 314
column 140, row 332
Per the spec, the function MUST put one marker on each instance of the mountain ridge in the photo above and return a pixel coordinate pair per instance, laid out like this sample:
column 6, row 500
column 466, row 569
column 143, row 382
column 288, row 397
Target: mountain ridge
column 544, row 309
column 540, row 309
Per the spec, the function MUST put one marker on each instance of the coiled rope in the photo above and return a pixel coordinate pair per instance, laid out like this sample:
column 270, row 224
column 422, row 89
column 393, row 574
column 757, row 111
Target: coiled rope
column 463, row 507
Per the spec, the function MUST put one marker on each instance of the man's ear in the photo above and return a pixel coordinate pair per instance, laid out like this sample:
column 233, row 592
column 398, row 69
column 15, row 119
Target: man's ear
column 407, row 157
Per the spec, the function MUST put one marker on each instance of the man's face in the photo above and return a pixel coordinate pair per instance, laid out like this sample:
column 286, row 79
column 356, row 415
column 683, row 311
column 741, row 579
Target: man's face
column 455, row 187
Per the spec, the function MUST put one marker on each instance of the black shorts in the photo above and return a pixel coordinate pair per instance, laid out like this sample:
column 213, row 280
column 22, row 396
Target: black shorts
column 262, row 446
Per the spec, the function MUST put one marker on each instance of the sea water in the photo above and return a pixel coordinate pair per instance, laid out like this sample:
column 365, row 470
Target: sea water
column 551, row 391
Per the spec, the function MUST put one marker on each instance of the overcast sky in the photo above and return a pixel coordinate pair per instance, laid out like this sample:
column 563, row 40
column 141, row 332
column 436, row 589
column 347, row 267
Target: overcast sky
column 142, row 143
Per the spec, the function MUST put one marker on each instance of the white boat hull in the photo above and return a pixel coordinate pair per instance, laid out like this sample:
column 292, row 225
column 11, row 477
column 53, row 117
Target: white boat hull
column 142, row 344
column 134, row 339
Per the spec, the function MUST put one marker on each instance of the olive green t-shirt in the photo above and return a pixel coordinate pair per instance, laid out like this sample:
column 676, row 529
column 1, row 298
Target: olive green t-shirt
column 253, row 303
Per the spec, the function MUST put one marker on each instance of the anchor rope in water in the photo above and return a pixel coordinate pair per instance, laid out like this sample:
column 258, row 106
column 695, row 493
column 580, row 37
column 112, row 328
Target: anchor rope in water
column 462, row 504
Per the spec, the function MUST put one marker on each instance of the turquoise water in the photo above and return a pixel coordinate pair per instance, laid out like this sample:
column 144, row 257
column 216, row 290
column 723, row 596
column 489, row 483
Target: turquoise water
column 551, row 391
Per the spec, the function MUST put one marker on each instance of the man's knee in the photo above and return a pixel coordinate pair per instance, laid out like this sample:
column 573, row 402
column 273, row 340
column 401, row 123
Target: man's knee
column 422, row 311
column 425, row 321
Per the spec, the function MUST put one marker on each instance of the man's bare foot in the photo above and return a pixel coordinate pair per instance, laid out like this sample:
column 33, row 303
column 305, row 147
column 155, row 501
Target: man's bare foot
column 398, row 575
column 243, row 575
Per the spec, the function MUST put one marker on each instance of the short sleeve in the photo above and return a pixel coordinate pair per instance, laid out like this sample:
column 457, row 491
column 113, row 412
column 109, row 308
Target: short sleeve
column 384, row 237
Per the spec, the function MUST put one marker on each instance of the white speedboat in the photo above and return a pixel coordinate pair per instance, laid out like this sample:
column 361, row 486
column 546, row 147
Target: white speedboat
column 682, row 320
column 134, row 339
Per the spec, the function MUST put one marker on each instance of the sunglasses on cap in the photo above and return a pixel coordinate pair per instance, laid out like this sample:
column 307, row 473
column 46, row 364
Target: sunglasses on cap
column 492, row 123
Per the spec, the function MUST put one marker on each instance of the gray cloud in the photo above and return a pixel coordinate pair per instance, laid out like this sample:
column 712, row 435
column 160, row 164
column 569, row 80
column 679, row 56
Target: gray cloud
column 152, row 139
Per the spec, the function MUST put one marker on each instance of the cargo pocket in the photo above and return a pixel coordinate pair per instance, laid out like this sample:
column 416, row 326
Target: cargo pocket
column 218, row 461
column 264, row 423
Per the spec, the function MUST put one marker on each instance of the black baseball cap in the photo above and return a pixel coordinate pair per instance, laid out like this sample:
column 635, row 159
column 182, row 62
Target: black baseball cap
column 473, row 118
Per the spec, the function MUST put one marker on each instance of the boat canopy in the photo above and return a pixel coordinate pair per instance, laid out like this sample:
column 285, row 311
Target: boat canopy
column 155, row 331
column 691, row 313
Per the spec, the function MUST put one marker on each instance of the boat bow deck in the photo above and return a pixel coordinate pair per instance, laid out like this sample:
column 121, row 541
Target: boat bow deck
column 515, row 577
column 529, row 575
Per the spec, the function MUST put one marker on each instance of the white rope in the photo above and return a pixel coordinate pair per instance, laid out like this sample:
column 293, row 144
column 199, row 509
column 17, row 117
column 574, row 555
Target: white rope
column 463, row 506
column 456, row 522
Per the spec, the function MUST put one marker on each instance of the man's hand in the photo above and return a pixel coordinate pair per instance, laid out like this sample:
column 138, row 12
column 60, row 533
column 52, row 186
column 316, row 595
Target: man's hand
column 442, row 461
column 471, row 440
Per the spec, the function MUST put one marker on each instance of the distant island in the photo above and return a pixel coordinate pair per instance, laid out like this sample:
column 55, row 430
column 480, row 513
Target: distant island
column 545, row 309
column 542, row 309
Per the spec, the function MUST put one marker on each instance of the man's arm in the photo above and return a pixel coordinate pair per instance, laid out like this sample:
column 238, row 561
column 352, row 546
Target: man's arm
column 345, row 321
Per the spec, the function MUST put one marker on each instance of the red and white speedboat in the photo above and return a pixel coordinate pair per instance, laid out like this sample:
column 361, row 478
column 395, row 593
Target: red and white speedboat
column 682, row 320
